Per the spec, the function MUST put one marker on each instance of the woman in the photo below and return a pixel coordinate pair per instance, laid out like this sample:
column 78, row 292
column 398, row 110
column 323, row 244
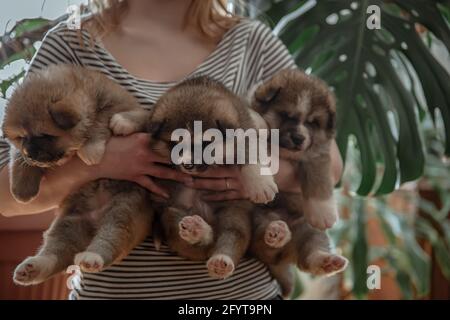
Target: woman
column 147, row 46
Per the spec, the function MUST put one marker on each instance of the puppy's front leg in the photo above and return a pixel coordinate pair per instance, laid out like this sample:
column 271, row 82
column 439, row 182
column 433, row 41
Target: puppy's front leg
column 317, row 192
column 260, row 188
column 24, row 179
column 233, row 239
column 128, row 122
column 92, row 151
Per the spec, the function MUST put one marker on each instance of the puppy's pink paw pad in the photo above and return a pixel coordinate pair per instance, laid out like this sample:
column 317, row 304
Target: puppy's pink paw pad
column 89, row 261
column 33, row 270
column 277, row 234
column 333, row 264
column 327, row 264
column 220, row 266
column 194, row 230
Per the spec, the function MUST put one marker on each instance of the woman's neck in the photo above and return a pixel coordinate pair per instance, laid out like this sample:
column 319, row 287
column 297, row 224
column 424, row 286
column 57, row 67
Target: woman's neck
column 151, row 14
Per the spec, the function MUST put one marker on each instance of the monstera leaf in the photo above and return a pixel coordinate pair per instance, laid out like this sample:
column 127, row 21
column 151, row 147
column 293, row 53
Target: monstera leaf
column 385, row 80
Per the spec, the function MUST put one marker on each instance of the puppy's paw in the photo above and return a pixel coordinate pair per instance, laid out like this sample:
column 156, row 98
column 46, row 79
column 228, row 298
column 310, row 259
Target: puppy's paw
column 321, row 214
column 277, row 234
column 24, row 193
column 220, row 266
column 195, row 230
column 122, row 126
column 89, row 261
column 260, row 188
column 325, row 263
column 92, row 153
column 34, row 270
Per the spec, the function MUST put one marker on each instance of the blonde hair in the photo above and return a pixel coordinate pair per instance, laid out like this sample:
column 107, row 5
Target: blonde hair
column 211, row 17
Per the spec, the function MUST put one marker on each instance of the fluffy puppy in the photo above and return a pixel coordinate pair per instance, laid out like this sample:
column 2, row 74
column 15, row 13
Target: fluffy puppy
column 290, row 230
column 303, row 110
column 219, row 232
column 53, row 115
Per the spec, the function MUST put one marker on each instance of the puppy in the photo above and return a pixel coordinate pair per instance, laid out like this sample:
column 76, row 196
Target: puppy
column 53, row 115
column 290, row 230
column 218, row 232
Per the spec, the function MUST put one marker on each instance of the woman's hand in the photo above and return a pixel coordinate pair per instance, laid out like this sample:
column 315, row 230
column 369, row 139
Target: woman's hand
column 224, row 182
column 129, row 158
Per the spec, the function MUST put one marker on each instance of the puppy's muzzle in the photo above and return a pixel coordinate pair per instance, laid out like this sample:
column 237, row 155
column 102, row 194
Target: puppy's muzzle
column 292, row 140
column 35, row 151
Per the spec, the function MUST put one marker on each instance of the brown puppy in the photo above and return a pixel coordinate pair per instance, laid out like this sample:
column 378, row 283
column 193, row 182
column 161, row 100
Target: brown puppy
column 53, row 115
column 199, row 230
column 304, row 111
column 288, row 231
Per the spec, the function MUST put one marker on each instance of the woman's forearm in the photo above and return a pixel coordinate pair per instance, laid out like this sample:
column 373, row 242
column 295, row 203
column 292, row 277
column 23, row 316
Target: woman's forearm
column 55, row 186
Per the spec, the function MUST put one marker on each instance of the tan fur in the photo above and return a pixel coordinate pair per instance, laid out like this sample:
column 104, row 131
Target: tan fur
column 303, row 109
column 55, row 114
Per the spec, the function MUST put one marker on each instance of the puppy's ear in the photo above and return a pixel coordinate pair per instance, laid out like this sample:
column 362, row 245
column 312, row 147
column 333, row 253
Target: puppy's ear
column 265, row 94
column 155, row 127
column 331, row 122
column 64, row 117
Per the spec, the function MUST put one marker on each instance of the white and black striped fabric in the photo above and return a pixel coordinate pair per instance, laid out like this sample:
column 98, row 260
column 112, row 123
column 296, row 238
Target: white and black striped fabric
column 247, row 54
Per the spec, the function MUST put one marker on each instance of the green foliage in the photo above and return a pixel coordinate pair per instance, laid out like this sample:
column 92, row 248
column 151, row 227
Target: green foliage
column 5, row 84
column 18, row 44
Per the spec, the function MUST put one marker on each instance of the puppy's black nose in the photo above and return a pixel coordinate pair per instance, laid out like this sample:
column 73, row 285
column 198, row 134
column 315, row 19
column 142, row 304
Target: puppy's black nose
column 297, row 138
column 37, row 149
column 31, row 150
column 188, row 166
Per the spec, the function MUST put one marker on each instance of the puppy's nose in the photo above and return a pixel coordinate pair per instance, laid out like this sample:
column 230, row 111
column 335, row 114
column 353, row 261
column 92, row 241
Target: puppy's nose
column 297, row 138
column 188, row 166
column 30, row 149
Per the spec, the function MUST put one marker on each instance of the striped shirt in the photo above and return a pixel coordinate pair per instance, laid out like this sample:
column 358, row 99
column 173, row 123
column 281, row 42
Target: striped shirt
column 247, row 54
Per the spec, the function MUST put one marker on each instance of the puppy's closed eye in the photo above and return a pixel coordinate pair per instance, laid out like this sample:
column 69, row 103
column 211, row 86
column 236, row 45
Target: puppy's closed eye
column 288, row 116
column 63, row 118
column 331, row 123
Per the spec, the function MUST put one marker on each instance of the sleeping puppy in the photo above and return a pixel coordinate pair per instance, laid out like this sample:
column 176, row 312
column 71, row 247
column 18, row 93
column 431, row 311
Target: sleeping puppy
column 218, row 232
column 55, row 114
column 303, row 110
column 290, row 230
